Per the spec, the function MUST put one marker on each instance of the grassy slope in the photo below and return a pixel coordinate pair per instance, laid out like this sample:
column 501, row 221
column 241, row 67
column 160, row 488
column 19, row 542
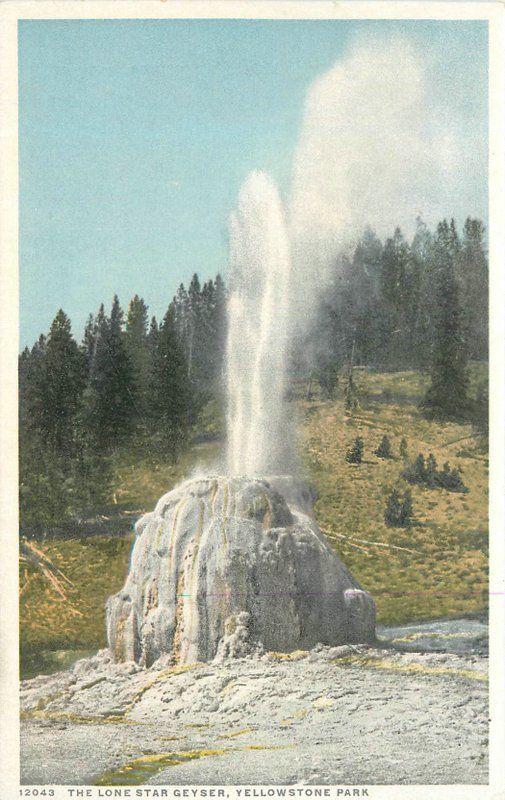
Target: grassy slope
column 447, row 576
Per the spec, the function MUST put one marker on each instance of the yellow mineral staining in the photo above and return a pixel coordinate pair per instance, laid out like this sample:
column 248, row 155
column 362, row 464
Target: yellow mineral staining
column 295, row 655
column 141, row 769
column 412, row 667
column 411, row 637
column 119, row 639
column 172, row 738
column 138, row 771
column 267, row 746
column 76, row 719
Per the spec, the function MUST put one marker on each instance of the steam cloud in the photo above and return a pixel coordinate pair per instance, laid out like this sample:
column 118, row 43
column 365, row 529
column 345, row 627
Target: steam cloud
column 376, row 148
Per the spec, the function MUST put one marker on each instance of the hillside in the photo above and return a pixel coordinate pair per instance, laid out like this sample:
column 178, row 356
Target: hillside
column 435, row 568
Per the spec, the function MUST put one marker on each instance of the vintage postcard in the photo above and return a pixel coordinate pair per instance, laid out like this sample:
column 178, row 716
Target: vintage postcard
column 249, row 474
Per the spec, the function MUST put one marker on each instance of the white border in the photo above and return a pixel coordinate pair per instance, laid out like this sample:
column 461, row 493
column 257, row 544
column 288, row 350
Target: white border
column 13, row 10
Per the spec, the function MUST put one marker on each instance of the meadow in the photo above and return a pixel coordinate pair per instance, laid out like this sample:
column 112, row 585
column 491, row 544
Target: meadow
column 435, row 568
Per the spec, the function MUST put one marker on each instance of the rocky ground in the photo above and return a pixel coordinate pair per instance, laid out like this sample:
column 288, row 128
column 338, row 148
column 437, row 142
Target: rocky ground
column 342, row 715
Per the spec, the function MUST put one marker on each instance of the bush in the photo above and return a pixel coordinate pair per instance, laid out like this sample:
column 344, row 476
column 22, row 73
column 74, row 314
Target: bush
column 355, row 453
column 399, row 509
column 427, row 474
column 450, row 479
column 384, row 449
column 404, row 450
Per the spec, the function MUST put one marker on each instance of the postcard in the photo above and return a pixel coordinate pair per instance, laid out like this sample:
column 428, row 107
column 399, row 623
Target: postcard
column 252, row 369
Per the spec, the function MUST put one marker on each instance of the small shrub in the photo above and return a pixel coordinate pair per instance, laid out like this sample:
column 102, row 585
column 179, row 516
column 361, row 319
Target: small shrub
column 384, row 449
column 355, row 453
column 399, row 509
column 450, row 479
column 404, row 450
column 427, row 474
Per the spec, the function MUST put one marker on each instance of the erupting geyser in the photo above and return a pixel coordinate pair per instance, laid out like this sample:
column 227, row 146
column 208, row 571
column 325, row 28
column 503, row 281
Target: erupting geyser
column 259, row 439
column 226, row 566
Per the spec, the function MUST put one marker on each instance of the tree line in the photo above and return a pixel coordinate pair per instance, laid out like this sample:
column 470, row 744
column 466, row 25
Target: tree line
column 400, row 305
column 131, row 382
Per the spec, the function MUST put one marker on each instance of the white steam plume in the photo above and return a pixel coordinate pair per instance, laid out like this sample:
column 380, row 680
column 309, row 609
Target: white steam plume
column 375, row 148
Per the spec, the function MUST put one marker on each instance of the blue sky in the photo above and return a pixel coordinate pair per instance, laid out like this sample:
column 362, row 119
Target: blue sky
column 135, row 137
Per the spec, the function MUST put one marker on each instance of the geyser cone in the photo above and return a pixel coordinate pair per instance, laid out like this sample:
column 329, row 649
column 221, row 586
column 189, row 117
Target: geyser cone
column 224, row 566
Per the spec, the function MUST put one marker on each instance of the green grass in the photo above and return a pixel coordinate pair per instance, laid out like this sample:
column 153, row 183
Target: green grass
column 446, row 576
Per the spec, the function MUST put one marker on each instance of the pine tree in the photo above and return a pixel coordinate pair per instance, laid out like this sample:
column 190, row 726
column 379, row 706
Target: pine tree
column 384, row 448
column 109, row 403
column 393, row 510
column 58, row 386
column 399, row 509
column 424, row 299
column 406, row 510
column 194, row 322
column 447, row 395
column 30, row 377
column 180, row 308
column 416, row 472
column 138, row 352
column 451, row 479
column 219, row 321
column 213, row 329
column 472, row 273
column 89, row 341
column 152, row 337
column 397, row 293
column 170, row 391
column 355, row 453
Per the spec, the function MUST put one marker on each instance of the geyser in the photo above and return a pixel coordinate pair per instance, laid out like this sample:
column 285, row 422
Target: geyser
column 231, row 565
column 260, row 440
